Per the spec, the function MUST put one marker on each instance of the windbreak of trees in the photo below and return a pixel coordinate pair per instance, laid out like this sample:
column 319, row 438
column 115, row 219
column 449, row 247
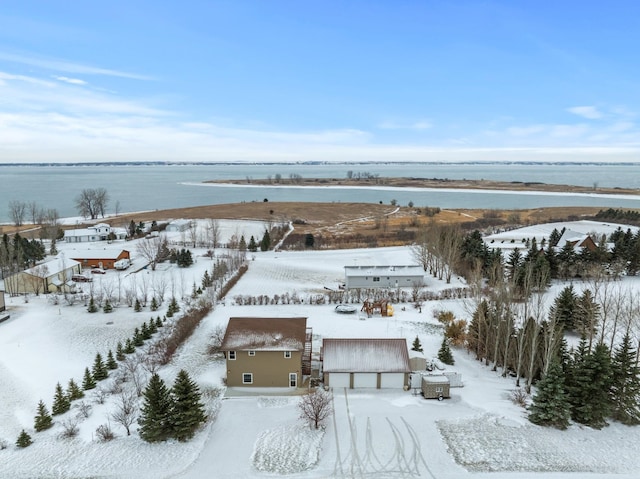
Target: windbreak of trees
column 18, row 253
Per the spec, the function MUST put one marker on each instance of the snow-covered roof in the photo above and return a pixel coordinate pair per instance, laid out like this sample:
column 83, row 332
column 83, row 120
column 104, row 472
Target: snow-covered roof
column 389, row 270
column 87, row 253
column 50, row 268
column 365, row 355
column 265, row 334
column 436, row 379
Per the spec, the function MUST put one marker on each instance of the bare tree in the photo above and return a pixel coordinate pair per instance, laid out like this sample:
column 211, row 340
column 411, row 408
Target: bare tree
column 151, row 249
column 92, row 202
column 126, row 410
column 316, row 406
column 36, row 279
column 213, row 233
column 34, row 212
column 17, row 211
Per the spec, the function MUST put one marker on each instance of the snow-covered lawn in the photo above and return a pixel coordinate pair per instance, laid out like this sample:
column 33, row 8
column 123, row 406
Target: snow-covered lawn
column 477, row 433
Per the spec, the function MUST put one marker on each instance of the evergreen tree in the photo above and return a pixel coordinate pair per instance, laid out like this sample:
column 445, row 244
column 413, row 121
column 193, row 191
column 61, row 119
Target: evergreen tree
column 253, row 247
column 444, row 354
column 550, row 404
column 87, row 381
column 138, row 339
column 73, row 390
column 416, row 346
column 158, row 323
column 107, row 307
column 120, row 352
column 625, row 387
column 144, row 331
column 564, row 307
column 593, row 378
column 138, row 307
column 111, row 361
column 61, row 403
column 206, row 280
column 99, row 370
column 153, row 327
column 265, row 244
column 173, row 307
column 155, row 415
column 92, row 306
column 188, row 412
column 43, row 419
column 242, row 245
column 129, row 347
column 24, row 440
column 154, row 304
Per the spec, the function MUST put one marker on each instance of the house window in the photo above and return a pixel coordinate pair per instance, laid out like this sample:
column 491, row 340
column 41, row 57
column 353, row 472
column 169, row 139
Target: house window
column 232, row 355
column 287, row 354
column 376, row 279
column 252, row 353
column 247, row 378
column 439, row 389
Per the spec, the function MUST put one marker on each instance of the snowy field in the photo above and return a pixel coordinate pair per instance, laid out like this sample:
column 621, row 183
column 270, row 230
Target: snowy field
column 478, row 433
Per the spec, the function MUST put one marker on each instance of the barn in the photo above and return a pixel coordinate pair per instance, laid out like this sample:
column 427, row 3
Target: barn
column 365, row 363
column 406, row 276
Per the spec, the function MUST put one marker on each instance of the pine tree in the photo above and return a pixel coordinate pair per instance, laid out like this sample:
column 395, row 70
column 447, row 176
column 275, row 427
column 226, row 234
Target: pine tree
column 444, row 354
column 625, row 387
column 111, row 361
column 87, row 381
column 138, row 307
column 153, row 327
column 550, row 404
column 206, row 279
column 73, row 390
column 24, row 440
column 155, row 415
column 129, row 347
column 107, row 307
column 120, row 352
column 144, row 331
column 242, row 245
column 43, row 419
column 61, row 403
column 188, row 412
column 92, row 306
column 592, row 378
column 154, row 304
column 53, row 251
column 416, row 346
column 99, row 370
column 138, row 339
column 265, row 244
column 253, row 247
column 158, row 322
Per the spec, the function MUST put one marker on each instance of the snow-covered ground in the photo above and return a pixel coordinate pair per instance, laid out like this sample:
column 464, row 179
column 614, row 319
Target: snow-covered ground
column 477, row 433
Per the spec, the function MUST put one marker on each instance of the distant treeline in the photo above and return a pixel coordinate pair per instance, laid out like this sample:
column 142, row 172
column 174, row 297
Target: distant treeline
column 628, row 216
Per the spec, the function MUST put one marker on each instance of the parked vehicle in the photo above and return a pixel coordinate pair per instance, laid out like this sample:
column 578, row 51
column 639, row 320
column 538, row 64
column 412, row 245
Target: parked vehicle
column 81, row 278
column 98, row 271
column 122, row 264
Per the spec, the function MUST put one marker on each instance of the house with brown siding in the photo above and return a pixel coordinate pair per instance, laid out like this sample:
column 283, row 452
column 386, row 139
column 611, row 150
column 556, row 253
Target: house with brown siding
column 267, row 352
column 365, row 363
column 104, row 258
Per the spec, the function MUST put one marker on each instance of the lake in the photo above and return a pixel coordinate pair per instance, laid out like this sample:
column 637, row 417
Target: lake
column 149, row 187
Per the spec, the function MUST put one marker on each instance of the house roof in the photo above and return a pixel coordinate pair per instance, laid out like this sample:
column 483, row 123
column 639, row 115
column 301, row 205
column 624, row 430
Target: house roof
column 53, row 267
column 265, row 334
column 389, row 270
column 102, row 253
column 365, row 355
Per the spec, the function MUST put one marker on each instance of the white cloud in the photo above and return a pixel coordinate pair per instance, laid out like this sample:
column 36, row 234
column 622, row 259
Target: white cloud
column 417, row 125
column 588, row 112
column 68, row 67
column 73, row 81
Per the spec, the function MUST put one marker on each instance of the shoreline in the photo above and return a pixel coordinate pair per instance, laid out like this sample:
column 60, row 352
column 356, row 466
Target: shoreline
column 428, row 184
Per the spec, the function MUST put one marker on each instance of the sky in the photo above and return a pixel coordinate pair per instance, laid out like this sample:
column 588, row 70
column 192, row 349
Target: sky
column 220, row 81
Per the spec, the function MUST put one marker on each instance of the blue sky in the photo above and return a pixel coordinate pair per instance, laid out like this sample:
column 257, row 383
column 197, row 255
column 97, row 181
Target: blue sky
column 311, row 81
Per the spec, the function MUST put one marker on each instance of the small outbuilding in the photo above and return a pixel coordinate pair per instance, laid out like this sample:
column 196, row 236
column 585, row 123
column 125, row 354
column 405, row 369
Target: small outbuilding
column 383, row 276
column 365, row 363
column 104, row 258
column 179, row 225
column 436, row 387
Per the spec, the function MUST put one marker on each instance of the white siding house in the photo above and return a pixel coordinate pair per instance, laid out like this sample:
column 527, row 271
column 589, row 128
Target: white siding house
column 383, row 276
column 50, row 277
column 98, row 232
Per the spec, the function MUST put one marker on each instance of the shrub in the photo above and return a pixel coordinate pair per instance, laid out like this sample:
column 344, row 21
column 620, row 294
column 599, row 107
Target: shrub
column 104, row 433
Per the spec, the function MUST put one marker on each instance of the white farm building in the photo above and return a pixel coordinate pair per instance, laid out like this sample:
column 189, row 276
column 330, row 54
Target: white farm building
column 383, row 276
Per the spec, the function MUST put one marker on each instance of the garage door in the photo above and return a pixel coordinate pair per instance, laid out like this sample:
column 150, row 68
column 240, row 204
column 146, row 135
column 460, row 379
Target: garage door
column 339, row 380
column 392, row 380
column 365, row 380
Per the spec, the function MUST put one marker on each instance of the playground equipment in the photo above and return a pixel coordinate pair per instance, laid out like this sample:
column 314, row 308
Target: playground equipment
column 382, row 307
